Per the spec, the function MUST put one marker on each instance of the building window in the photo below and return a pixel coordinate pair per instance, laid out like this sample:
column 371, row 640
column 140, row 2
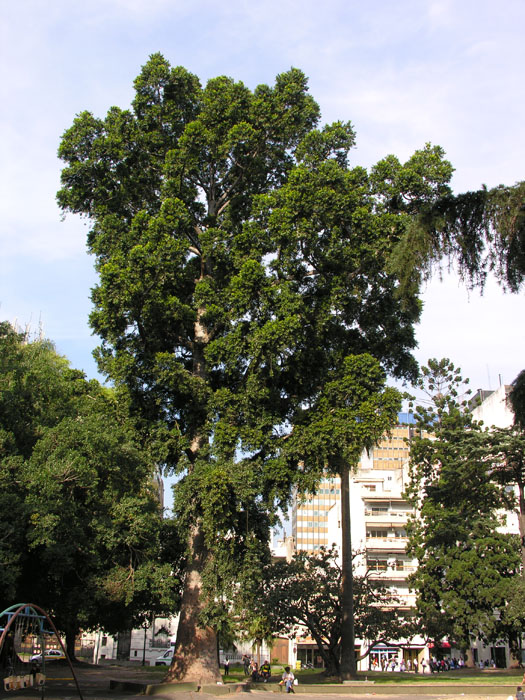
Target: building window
column 377, row 564
column 379, row 509
column 373, row 532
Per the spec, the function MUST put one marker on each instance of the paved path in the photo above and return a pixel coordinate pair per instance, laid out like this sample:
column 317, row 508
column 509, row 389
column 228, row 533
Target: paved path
column 94, row 682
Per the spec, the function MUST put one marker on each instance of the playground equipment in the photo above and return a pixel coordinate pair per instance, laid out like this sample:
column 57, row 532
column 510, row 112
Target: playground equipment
column 23, row 647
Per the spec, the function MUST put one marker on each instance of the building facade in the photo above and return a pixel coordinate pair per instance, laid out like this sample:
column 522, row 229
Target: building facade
column 379, row 515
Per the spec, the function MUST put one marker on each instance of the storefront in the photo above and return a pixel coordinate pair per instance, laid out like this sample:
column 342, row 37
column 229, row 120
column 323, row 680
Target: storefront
column 381, row 656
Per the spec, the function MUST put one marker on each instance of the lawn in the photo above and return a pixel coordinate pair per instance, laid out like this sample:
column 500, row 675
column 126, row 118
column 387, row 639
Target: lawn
column 466, row 677
column 315, row 677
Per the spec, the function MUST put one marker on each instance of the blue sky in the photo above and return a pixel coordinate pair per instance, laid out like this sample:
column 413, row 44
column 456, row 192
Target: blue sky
column 406, row 72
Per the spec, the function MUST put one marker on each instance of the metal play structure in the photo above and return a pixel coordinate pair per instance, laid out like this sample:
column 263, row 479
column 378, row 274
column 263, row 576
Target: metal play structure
column 23, row 647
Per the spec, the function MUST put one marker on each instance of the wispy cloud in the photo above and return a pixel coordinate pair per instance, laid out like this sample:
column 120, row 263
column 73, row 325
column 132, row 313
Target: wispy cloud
column 405, row 73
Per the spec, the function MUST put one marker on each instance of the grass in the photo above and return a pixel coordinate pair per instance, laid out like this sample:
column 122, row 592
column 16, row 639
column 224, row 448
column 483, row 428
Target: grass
column 470, row 677
column 465, row 677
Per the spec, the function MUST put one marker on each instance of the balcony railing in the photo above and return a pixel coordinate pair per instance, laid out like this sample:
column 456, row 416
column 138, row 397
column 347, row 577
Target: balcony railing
column 395, row 544
column 387, row 514
column 398, row 573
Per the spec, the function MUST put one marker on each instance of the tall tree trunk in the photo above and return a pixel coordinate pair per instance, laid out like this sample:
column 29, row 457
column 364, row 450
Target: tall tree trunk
column 195, row 657
column 348, row 660
column 521, row 520
column 71, row 635
column 195, row 653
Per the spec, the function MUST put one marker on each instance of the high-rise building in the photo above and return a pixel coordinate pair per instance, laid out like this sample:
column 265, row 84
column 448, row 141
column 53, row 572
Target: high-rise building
column 379, row 515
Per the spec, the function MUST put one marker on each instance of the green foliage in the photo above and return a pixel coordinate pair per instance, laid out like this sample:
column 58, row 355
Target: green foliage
column 517, row 399
column 242, row 265
column 465, row 561
column 84, row 535
column 479, row 232
column 352, row 412
column 304, row 594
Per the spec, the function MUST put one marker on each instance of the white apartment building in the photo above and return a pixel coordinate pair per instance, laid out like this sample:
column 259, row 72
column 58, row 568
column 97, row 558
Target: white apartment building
column 379, row 515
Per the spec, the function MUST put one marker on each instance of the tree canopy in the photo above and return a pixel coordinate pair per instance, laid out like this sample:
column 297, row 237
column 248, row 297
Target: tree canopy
column 241, row 261
column 303, row 596
column 82, row 526
column 466, row 560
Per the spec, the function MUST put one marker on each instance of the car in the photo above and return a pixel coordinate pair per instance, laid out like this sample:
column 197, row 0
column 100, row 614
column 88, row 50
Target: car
column 49, row 655
column 165, row 658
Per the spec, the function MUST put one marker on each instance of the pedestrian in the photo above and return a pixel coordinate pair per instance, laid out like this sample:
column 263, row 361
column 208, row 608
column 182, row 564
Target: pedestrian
column 520, row 695
column 288, row 680
column 246, row 664
column 423, row 666
column 226, row 667
column 255, row 670
column 415, row 666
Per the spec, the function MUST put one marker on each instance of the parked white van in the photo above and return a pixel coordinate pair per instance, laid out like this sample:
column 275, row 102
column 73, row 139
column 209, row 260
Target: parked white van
column 165, row 658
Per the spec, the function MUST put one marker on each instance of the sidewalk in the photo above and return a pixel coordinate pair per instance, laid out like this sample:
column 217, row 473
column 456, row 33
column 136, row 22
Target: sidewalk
column 132, row 683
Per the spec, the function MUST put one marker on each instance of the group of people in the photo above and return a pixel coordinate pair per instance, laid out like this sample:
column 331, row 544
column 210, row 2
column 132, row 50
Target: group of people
column 433, row 665
column 251, row 668
column 439, row 665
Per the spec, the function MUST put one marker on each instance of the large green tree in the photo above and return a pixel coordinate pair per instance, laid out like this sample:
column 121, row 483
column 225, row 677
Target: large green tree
column 466, row 562
column 241, row 260
column 83, row 529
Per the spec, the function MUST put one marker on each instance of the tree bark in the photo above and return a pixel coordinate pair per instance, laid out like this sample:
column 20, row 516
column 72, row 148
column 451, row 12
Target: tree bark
column 521, row 520
column 195, row 653
column 348, row 660
column 195, row 657
column 71, row 635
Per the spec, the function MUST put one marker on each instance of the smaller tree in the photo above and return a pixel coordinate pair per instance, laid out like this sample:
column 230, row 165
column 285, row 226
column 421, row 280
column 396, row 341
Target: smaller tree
column 351, row 413
column 304, row 595
column 507, row 446
column 465, row 561
column 83, row 533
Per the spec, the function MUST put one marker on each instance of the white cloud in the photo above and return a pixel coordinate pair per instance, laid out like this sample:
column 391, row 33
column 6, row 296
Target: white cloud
column 405, row 73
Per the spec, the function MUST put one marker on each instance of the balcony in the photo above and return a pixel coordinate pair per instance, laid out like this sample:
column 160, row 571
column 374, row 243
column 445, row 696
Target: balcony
column 386, row 544
column 393, row 517
column 391, row 574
